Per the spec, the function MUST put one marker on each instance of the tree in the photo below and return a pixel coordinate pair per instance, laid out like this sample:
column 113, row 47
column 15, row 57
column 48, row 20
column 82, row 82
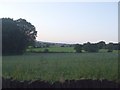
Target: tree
column 86, row 46
column 119, row 46
column 110, row 47
column 90, row 47
column 101, row 44
column 94, row 48
column 16, row 35
column 78, row 48
column 46, row 50
column 28, row 30
column 47, row 45
column 62, row 46
column 116, row 46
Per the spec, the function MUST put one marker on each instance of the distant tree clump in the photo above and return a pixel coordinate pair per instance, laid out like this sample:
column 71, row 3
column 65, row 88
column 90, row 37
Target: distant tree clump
column 101, row 45
column 17, row 35
column 46, row 50
column 110, row 47
column 47, row 45
column 90, row 47
column 62, row 46
column 78, row 48
column 119, row 46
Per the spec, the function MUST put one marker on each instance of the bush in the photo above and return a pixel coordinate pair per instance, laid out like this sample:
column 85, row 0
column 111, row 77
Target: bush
column 109, row 50
column 90, row 47
column 78, row 48
column 110, row 47
column 46, row 51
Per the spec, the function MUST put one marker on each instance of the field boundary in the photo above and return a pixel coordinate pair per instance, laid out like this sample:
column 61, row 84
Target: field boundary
column 85, row 83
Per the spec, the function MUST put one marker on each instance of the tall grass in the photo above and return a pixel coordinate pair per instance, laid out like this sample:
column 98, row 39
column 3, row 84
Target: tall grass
column 56, row 66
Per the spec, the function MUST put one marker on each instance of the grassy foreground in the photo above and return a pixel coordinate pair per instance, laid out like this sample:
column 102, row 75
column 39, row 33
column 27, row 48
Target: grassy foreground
column 61, row 66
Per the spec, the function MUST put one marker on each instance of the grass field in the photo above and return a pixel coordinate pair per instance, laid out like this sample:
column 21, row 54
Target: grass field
column 61, row 66
column 54, row 49
column 62, row 49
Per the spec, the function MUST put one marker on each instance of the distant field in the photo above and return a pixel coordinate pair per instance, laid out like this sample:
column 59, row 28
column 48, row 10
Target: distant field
column 62, row 49
column 61, row 66
column 54, row 49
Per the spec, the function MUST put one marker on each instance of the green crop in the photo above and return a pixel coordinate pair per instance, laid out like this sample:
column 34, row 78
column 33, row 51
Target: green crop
column 61, row 66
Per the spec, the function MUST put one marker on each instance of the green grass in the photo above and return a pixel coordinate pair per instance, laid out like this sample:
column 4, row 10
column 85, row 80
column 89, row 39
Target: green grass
column 103, row 50
column 56, row 66
column 54, row 49
column 63, row 49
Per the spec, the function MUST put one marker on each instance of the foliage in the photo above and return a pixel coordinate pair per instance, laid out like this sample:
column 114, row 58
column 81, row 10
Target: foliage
column 46, row 50
column 110, row 47
column 16, row 35
column 119, row 46
column 116, row 46
column 90, row 47
column 101, row 45
column 78, row 48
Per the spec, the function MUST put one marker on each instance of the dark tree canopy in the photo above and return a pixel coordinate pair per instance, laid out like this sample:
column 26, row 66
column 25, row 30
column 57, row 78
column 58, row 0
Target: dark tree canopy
column 115, row 46
column 110, row 47
column 90, row 47
column 78, row 48
column 101, row 45
column 16, row 35
column 28, row 29
column 119, row 46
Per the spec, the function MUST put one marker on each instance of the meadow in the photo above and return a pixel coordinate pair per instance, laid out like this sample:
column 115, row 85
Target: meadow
column 61, row 66
column 58, row 49
column 53, row 49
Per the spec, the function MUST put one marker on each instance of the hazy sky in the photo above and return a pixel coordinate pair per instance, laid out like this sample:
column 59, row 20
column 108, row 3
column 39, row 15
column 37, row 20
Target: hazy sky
column 69, row 22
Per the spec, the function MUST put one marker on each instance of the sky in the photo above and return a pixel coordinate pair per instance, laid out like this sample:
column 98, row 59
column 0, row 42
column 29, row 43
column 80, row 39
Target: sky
column 67, row 22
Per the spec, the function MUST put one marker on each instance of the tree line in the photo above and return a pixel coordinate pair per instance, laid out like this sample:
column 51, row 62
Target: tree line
column 17, row 35
column 94, row 47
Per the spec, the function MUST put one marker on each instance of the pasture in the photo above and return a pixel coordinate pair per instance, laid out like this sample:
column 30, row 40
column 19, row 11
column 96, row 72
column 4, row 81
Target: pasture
column 61, row 66
column 53, row 49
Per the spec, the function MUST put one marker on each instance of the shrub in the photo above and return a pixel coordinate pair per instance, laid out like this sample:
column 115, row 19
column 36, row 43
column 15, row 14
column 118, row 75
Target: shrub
column 78, row 48
column 46, row 50
column 90, row 47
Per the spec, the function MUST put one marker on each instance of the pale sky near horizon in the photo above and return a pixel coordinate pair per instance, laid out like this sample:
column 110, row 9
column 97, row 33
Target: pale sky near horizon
column 68, row 22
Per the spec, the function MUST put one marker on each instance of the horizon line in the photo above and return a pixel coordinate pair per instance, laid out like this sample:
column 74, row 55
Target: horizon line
column 76, row 42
